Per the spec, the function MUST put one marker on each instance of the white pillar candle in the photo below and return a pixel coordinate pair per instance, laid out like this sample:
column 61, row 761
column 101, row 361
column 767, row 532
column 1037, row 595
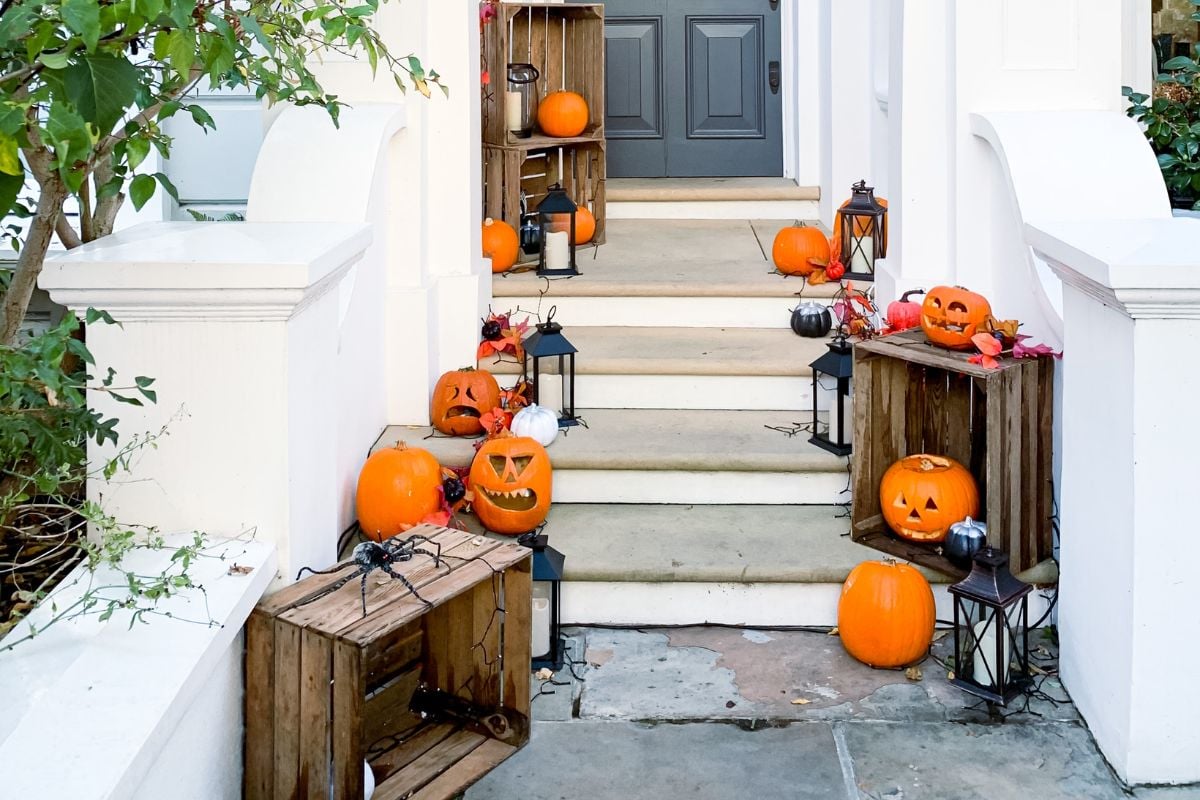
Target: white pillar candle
column 541, row 618
column 828, row 403
column 984, row 669
column 557, row 250
column 862, row 260
column 512, row 110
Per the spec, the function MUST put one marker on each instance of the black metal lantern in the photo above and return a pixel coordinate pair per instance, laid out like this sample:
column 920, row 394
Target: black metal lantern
column 863, row 232
column 548, row 342
column 547, row 602
column 556, row 225
column 991, row 630
column 831, row 375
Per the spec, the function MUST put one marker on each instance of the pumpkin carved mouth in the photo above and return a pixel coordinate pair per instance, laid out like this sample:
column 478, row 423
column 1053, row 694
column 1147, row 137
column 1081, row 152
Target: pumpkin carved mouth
column 514, row 500
column 462, row 411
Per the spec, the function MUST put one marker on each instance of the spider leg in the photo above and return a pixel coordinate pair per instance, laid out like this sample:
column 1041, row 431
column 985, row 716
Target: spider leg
column 364, row 591
column 437, row 557
column 329, row 571
column 409, row 586
column 333, row 587
column 418, row 537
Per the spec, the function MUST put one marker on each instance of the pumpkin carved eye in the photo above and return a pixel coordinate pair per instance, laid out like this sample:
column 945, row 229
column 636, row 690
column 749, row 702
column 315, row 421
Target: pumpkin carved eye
column 470, row 393
column 930, row 505
column 497, row 463
column 521, row 462
column 956, row 307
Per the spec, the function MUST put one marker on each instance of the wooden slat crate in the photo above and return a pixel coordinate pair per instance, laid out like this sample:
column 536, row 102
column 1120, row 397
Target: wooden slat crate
column 913, row 397
column 565, row 43
column 508, row 171
column 327, row 687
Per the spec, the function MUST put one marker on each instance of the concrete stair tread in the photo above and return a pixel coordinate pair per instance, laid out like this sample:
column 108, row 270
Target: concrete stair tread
column 685, row 351
column 622, row 190
column 657, row 439
column 619, row 543
column 672, row 258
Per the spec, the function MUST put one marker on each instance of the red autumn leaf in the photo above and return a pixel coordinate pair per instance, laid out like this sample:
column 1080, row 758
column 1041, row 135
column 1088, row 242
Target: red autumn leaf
column 986, row 361
column 1022, row 350
column 987, row 344
column 437, row 518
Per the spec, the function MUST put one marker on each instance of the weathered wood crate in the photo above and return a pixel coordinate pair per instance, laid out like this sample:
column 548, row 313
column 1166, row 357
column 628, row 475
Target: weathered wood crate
column 565, row 43
column 912, row 397
column 509, row 171
column 327, row 687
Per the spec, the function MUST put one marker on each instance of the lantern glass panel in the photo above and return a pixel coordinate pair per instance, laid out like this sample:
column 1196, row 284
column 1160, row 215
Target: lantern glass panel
column 556, row 224
column 862, row 232
column 833, row 413
column 521, row 99
column 546, row 629
column 547, row 345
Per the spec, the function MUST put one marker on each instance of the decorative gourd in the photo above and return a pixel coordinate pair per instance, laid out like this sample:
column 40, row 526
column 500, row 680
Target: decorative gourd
column 397, row 488
column 500, row 244
column 511, row 481
column 903, row 314
column 811, row 320
column 538, row 423
column 563, row 114
column 460, row 398
column 796, row 248
column 886, row 614
column 921, row 496
column 951, row 315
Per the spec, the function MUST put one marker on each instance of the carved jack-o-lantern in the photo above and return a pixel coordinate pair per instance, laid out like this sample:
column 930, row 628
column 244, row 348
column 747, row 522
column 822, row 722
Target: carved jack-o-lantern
column 511, row 479
column 921, row 496
column 460, row 398
column 951, row 315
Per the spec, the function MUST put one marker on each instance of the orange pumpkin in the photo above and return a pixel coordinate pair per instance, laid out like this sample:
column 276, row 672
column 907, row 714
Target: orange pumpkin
column 511, row 481
column 585, row 224
column 886, row 614
column 796, row 248
column 563, row 114
column 397, row 488
column 460, row 398
column 951, row 315
column 500, row 243
column 921, row 496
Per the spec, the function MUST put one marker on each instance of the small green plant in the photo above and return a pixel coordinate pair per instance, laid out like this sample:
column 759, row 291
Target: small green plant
column 47, row 526
column 1171, row 121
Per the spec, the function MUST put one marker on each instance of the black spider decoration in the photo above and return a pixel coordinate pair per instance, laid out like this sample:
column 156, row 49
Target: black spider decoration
column 453, row 489
column 491, row 330
column 370, row 556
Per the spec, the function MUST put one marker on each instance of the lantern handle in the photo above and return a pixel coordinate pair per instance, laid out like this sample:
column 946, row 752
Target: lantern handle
column 550, row 314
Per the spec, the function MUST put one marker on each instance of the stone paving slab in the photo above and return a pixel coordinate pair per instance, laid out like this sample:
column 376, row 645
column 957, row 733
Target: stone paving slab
column 623, row 761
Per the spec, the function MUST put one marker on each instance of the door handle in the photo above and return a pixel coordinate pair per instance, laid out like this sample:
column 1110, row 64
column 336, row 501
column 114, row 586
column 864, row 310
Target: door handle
column 773, row 76
column 774, row 5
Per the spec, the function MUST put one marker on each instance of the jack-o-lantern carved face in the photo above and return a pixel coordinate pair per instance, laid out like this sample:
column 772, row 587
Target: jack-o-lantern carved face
column 511, row 480
column 921, row 496
column 460, row 398
column 951, row 315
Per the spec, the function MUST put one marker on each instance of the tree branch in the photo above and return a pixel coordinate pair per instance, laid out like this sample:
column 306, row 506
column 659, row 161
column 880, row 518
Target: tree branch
column 67, row 234
column 33, row 256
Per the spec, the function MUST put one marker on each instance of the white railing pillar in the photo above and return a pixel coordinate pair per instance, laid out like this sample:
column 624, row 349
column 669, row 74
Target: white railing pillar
column 238, row 323
column 1129, row 636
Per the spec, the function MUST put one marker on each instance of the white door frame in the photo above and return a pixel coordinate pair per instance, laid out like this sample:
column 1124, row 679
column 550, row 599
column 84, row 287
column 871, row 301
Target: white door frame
column 800, row 26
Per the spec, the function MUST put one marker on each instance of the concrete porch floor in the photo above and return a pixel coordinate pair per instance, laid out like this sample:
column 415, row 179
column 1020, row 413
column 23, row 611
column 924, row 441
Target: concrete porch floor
column 709, row 712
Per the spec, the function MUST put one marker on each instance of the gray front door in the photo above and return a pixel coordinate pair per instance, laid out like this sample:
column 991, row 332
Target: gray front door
column 692, row 88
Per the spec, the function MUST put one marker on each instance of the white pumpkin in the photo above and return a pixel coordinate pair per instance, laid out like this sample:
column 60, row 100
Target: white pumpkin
column 536, row 422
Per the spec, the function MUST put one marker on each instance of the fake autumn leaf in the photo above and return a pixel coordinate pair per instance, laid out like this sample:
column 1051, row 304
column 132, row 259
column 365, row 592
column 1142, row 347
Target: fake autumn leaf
column 1022, row 350
column 989, row 347
column 495, row 421
column 817, row 277
column 509, row 338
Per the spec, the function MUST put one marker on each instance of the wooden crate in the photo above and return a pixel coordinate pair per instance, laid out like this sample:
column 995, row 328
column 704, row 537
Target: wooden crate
column 327, row 687
column 565, row 43
column 912, row 397
column 508, row 171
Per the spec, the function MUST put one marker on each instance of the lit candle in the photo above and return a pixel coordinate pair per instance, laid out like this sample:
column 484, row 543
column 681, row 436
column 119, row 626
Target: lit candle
column 557, row 251
column 541, row 618
column 984, row 663
column 862, row 260
column 512, row 110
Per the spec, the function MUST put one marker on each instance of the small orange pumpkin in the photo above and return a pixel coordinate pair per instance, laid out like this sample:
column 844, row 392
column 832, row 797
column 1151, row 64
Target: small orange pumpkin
column 921, row 496
column 585, row 224
column 796, row 248
column 511, row 480
column 951, row 315
column 397, row 488
column 500, row 243
column 886, row 614
column 460, row 398
column 563, row 114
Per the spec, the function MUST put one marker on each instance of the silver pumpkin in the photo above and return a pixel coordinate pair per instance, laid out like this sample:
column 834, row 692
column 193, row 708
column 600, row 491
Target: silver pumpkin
column 964, row 540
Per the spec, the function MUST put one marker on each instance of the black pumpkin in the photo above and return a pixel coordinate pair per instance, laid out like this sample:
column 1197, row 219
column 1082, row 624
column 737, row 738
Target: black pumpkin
column 811, row 320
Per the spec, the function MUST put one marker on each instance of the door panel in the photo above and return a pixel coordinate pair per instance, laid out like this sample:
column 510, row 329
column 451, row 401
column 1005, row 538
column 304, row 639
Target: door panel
column 687, row 88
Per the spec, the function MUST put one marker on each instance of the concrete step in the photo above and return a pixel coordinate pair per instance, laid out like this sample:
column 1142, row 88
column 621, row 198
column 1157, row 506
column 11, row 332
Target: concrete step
column 687, row 368
column 672, row 456
column 710, row 198
column 677, row 273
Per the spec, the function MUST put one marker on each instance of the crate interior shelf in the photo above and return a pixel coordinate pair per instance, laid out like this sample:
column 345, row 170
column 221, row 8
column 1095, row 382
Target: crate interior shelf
column 912, row 397
column 327, row 687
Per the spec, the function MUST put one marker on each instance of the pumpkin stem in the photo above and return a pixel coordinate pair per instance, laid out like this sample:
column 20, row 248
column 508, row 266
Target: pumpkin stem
column 904, row 297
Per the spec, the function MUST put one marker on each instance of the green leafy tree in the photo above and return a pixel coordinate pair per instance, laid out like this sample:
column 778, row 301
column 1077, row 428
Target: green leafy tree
column 85, row 86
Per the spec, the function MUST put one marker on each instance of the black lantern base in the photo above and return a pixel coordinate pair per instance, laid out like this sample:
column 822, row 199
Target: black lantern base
column 1015, row 689
column 568, row 422
column 859, row 276
column 552, row 661
column 836, row 449
column 552, row 273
